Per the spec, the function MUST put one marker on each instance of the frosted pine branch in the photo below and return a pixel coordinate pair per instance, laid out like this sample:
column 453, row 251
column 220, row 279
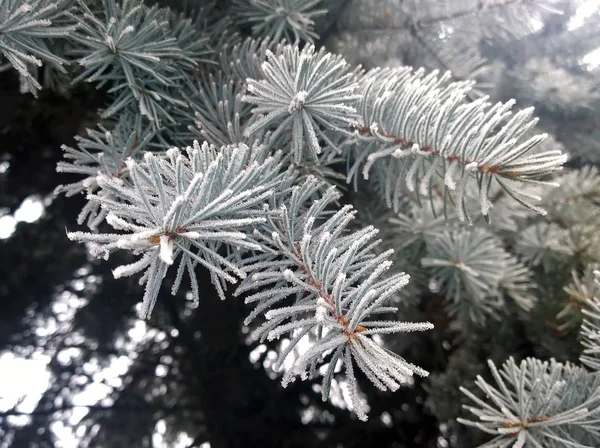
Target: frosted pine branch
column 517, row 282
column 543, row 244
column 324, row 281
column 470, row 265
column 25, row 29
column 186, row 207
column 429, row 129
column 144, row 55
column 221, row 117
column 304, row 92
column 103, row 152
column 582, row 291
column 243, row 60
column 280, row 19
column 590, row 329
column 537, row 404
column 130, row 39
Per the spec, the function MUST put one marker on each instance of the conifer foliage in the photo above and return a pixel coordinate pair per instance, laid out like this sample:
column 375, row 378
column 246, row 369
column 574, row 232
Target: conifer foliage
column 292, row 20
column 184, row 205
column 425, row 124
column 25, row 31
column 220, row 155
column 521, row 413
column 305, row 92
column 338, row 284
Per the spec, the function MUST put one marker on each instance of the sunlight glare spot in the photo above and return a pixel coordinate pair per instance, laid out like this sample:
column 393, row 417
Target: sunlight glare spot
column 22, row 381
column 8, row 224
column 161, row 371
column 585, row 10
column 308, row 415
column 591, row 60
column 138, row 331
column 30, row 210
column 386, row 419
column 255, row 354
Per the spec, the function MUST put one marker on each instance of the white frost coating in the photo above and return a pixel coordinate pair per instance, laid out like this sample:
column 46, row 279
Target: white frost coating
column 166, row 249
column 321, row 311
column 298, row 101
column 288, row 275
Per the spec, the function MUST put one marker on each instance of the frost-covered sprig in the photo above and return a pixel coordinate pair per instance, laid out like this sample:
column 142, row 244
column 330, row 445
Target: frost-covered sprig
column 194, row 44
column 469, row 264
column 143, row 54
column 505, row 214
column 323, row 169
column 507, row 21
column 542, row 82
column 590, row 330
column 187, row 206
column 129, row 39
column 543, row 244
column 322, row 281
column 537, row 404
column 221, row 116
column 430, row 130
column 303, row 92
column 414, row 226
column 206, row 16
column 279, row 19
column 160, row 104
column 103, row 152
column 243, row 60
column 579, row 192
column 590, row 336
column 581, row 293
column 25, row 28
column 517, row 282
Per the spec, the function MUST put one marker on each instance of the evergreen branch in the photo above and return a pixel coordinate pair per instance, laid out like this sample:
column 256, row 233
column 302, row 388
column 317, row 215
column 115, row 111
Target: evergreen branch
column 470, row 264
column 244, row 60
column 455, row 54
column 517, row 282
column 145, row 55
column 433, row 53
column 475, row 9
column 292, row 20
column 582, row 292
column 103, row 152
column 590, row 329
column 576, row 185
column 305, row 92
column 332, row 27
column 537, row 404
column 130, row 37
column 231, row 209
column 221, row 116
column 543, row 244
column 498, row 19
column 431, row 131
column 187, row 207
column 335, row 284
column 194, row 44
column 413, row 226
column 25, row 29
